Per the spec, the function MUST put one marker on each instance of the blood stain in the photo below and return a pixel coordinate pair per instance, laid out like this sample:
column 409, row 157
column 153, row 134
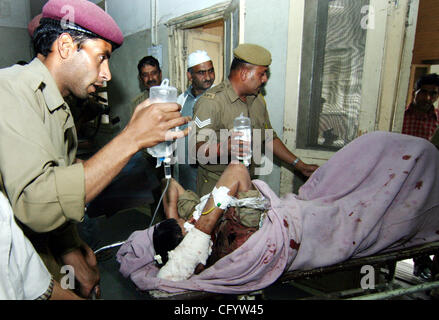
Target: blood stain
column 294, row 245
column 419, row 185
column 406, row 157
column 391, row 176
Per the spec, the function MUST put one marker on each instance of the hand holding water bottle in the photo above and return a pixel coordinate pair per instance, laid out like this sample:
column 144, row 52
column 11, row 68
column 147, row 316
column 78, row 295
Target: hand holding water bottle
column 241, row 139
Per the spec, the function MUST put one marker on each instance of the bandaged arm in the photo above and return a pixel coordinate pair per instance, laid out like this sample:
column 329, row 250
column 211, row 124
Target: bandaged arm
column 197, row 244
column 182, row 261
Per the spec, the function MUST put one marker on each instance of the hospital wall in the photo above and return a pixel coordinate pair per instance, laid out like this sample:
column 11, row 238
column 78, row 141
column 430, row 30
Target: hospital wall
column 136, row 27
column 15, row 45
column 270, row 30
column 14, row 39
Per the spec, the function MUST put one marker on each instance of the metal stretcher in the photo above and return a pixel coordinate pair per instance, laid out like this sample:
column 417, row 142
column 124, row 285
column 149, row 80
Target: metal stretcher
column 381, row 261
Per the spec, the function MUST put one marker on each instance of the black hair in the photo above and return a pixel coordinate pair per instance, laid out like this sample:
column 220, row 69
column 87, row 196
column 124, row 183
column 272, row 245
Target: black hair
column 21, row 62
column 238, row 64
column 148, row 60
column 428, row 79
column 167, row 236
column 49, row 30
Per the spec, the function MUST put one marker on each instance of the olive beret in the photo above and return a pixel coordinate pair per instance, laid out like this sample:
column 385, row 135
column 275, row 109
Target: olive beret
column 253, row 54
column 85, row 16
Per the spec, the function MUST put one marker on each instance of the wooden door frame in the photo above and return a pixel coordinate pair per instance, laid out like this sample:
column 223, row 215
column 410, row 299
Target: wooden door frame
column 176, row 28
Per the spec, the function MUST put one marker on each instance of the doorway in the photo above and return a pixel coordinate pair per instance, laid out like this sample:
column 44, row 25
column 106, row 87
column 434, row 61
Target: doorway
column 425, row 52
column 208, row 37
column 215, row 29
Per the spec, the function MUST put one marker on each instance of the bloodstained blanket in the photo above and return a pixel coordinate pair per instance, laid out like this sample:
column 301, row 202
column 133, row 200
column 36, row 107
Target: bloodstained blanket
column 380, row 193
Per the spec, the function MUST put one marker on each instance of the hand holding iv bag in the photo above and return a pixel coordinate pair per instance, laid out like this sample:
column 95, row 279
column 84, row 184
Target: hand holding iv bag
column 162, row 94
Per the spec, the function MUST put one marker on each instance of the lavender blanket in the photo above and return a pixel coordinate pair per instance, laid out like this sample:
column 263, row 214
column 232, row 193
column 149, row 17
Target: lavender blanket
column 379, row 193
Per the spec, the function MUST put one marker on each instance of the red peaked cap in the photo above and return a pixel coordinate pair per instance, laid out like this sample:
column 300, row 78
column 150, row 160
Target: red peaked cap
column 86, row 15
column 33, row 24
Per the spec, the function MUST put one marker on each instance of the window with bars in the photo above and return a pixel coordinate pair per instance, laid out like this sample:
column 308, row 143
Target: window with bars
column 331, row 74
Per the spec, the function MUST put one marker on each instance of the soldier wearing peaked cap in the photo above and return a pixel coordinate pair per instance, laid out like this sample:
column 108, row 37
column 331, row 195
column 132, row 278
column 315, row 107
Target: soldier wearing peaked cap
column 48, row 187
column 219, row 106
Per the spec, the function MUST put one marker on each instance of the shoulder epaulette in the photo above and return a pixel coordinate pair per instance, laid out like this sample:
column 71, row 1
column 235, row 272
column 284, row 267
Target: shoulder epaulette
column 214, row 90
column 210, row 95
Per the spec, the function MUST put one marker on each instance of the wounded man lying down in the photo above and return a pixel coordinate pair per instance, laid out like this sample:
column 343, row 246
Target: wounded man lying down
column 230, row 214
column 380, row 193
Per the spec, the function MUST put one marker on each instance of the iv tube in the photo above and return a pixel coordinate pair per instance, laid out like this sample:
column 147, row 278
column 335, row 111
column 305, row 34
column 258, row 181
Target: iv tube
column 162, row 151
column 168, row 179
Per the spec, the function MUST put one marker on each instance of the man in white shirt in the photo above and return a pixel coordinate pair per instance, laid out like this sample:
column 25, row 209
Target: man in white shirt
column 23, row 275
column 201, row 76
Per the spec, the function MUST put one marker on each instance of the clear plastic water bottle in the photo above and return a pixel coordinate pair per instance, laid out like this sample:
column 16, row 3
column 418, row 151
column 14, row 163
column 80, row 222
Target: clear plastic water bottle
column 158, row 94
column 242, row 124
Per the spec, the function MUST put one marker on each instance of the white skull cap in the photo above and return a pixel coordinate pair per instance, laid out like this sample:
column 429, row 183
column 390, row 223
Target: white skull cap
column 197, row 57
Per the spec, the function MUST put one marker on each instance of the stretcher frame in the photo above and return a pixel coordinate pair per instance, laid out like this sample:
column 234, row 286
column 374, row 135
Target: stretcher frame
column 385, row 290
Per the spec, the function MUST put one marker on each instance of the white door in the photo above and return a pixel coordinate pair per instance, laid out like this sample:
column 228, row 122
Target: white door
column 353, row 57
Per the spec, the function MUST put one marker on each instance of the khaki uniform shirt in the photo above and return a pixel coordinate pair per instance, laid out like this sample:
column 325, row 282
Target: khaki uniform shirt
column 38, row 145
column 216, row 110
column 138, row 100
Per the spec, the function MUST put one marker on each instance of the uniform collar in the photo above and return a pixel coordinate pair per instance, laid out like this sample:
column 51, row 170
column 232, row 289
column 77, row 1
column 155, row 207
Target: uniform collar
column 41, row 78
column 233, row 96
